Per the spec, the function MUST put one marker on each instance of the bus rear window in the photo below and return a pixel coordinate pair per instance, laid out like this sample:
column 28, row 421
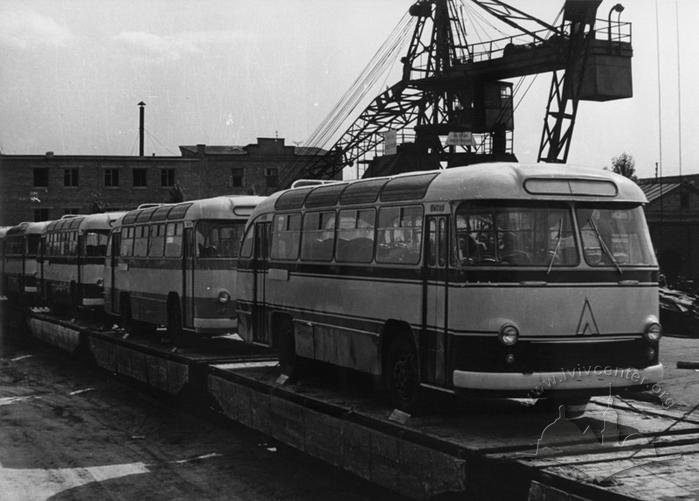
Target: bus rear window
column 218, row 239
column 95, row 243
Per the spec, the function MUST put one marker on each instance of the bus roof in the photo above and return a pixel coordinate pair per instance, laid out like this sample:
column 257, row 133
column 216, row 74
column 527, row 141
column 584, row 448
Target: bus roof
column 497, row 180
column 101, row 221
column 223, row 207
column 29, row 228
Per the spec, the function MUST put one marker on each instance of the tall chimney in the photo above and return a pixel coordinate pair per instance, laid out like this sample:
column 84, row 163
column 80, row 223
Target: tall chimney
column 141, row 107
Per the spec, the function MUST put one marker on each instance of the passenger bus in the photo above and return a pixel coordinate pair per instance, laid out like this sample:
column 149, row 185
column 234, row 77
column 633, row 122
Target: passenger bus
column 494, row 279
column 73, row 261
column 174, row 265
column 22, row 269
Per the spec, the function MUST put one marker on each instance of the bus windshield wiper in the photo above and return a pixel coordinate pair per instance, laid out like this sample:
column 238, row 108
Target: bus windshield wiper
column 604, row 246
column 558, row 245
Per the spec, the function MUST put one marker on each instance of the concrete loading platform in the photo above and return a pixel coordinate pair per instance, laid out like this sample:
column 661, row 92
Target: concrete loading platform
column 487, row 449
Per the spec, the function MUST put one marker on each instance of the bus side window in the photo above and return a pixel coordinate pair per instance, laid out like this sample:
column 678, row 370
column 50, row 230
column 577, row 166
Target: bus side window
column 173, row 240
column 157, row 240
column 286, row 233
column 140, row 245
column 126, row 247
column 399, row 235
column 355, row 236
column 318, row 236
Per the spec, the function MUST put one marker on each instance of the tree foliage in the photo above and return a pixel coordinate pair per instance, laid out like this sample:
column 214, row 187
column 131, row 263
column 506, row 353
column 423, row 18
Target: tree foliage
column 625, row 165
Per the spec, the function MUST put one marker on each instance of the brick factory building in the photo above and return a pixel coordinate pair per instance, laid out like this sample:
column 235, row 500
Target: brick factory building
column 41, row 187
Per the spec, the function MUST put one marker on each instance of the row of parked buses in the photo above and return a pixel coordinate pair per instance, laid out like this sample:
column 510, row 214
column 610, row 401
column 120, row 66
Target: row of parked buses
column 496, row 279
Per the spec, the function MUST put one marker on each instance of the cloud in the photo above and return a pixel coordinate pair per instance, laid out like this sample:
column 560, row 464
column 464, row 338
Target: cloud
column 25, row 29
column 173, row 47
column 153, row 46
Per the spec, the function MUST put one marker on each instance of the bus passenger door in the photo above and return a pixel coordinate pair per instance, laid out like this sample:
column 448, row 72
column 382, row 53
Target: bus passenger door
column 433, row 338
column 260, row 331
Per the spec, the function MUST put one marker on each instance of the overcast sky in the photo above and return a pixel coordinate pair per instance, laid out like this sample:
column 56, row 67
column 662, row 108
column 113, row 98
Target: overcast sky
column 226, row 72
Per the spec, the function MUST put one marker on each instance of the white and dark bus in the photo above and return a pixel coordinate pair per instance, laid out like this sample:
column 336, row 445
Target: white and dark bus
column 22, row 261
column 73, row 260
column 174, row 265
column 494, row 279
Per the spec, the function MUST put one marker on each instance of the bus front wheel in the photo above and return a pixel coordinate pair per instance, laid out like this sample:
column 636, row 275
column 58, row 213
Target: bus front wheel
column 402, row 375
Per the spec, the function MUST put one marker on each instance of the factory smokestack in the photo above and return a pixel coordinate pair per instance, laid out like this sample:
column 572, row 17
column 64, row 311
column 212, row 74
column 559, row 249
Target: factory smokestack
column 141, row 107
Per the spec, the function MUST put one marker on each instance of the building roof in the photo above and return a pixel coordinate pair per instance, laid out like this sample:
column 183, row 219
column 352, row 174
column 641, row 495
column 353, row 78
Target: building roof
column 213, row 150
column 654, row 190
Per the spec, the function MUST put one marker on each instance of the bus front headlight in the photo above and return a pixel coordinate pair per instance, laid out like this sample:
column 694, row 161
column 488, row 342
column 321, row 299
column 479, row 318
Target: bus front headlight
column 508, row 335
column 653, row 332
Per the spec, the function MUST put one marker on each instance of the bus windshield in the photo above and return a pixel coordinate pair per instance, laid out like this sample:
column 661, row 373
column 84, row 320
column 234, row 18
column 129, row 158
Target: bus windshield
column 501, row 234
column 615, row 236
column 218, row 239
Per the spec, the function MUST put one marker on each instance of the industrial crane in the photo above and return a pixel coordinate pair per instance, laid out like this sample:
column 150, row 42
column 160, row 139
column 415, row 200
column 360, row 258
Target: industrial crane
column 454, row 106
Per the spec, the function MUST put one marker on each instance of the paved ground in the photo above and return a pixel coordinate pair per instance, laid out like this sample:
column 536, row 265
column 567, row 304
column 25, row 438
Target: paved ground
column 71, row 432
column 682, row 385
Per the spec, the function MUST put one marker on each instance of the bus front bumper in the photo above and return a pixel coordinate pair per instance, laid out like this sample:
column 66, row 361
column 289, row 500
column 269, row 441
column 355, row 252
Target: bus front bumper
column 581, row 379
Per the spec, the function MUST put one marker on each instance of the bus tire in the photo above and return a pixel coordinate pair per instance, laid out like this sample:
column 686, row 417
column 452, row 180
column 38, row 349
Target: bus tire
column 286, row 345
column 402, row 375
column 174, row 323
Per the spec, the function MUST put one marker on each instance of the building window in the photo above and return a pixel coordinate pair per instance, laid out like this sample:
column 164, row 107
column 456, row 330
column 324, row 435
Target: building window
column 71, row 211
column 271, row 177
column 41, row 214
column 70, row 177
column 139, row 177
column 111, row 177
column 41, row 177
column 167, row 177
column 237, row 174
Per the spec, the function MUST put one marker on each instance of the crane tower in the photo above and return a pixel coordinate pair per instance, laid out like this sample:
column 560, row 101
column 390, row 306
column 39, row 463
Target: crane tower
column 453, row 105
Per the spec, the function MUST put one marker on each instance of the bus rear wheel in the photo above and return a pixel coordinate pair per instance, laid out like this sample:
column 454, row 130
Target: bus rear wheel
column 402, row 375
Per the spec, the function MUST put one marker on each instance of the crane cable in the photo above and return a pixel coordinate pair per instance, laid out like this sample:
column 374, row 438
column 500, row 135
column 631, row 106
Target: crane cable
column 383, row 58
